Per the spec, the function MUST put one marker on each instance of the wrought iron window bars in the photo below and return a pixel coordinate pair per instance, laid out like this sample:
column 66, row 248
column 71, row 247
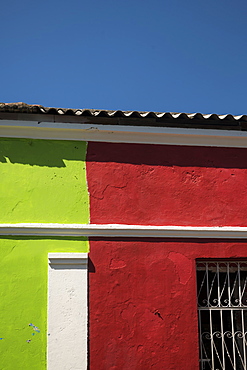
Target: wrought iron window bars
column 222, row 314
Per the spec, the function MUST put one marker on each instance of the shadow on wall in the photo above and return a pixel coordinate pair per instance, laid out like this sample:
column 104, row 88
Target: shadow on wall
column 131, row 240
column 43, row 237
column 49, row 153
column 91, row 267
column 167, row 155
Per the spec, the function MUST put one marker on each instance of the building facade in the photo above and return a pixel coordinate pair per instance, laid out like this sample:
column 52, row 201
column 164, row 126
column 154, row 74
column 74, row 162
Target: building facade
column 123, row 240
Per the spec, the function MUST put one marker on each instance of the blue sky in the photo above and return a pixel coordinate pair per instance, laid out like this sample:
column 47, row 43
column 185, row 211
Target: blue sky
column 159, row 55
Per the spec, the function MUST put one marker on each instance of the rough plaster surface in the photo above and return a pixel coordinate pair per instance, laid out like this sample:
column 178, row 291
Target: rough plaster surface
column 23, row 298
column 167, row 185
column 143, row 307
column 41, row 181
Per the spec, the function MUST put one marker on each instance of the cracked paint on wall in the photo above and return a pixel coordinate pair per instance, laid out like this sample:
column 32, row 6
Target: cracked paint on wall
column 41, row 181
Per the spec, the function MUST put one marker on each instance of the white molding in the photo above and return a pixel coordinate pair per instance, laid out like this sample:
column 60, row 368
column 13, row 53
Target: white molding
column 118, row 230
column 122, row 134
column 68, row 258
column 67, row 311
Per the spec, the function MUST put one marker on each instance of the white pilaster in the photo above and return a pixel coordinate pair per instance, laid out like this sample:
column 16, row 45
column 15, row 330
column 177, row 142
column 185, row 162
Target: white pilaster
column 67, row 311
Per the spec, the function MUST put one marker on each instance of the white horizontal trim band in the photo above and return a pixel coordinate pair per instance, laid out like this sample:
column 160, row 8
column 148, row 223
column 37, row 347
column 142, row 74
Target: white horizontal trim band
column 117, row 230
column 122, row 134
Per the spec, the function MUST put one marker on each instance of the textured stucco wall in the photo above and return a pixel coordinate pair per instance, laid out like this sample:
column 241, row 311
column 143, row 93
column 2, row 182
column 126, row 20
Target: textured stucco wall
column 167, row 185
column 143, row 310
column 23, row 298
column 41, row 181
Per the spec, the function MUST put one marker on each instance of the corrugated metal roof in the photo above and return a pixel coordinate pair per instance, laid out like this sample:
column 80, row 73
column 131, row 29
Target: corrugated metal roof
column 27, row 108
column 154, row 118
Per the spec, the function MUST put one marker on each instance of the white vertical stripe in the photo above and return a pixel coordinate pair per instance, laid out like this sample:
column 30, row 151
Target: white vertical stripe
column 67, row 311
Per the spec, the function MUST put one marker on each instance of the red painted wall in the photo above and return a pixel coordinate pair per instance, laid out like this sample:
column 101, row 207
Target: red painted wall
column 142, row 303
column 167, row 185
column 142, row 293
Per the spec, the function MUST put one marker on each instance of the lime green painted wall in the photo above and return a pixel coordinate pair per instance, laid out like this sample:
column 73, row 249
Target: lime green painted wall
column 40, row 181
column 43, row 181
column 23, row 298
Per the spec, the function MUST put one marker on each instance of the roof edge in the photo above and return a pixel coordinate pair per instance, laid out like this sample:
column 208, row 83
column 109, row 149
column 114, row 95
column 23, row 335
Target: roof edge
column 162, row 119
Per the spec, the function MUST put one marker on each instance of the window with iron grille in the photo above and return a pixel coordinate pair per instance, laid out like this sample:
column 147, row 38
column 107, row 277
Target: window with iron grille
column 222, row 314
